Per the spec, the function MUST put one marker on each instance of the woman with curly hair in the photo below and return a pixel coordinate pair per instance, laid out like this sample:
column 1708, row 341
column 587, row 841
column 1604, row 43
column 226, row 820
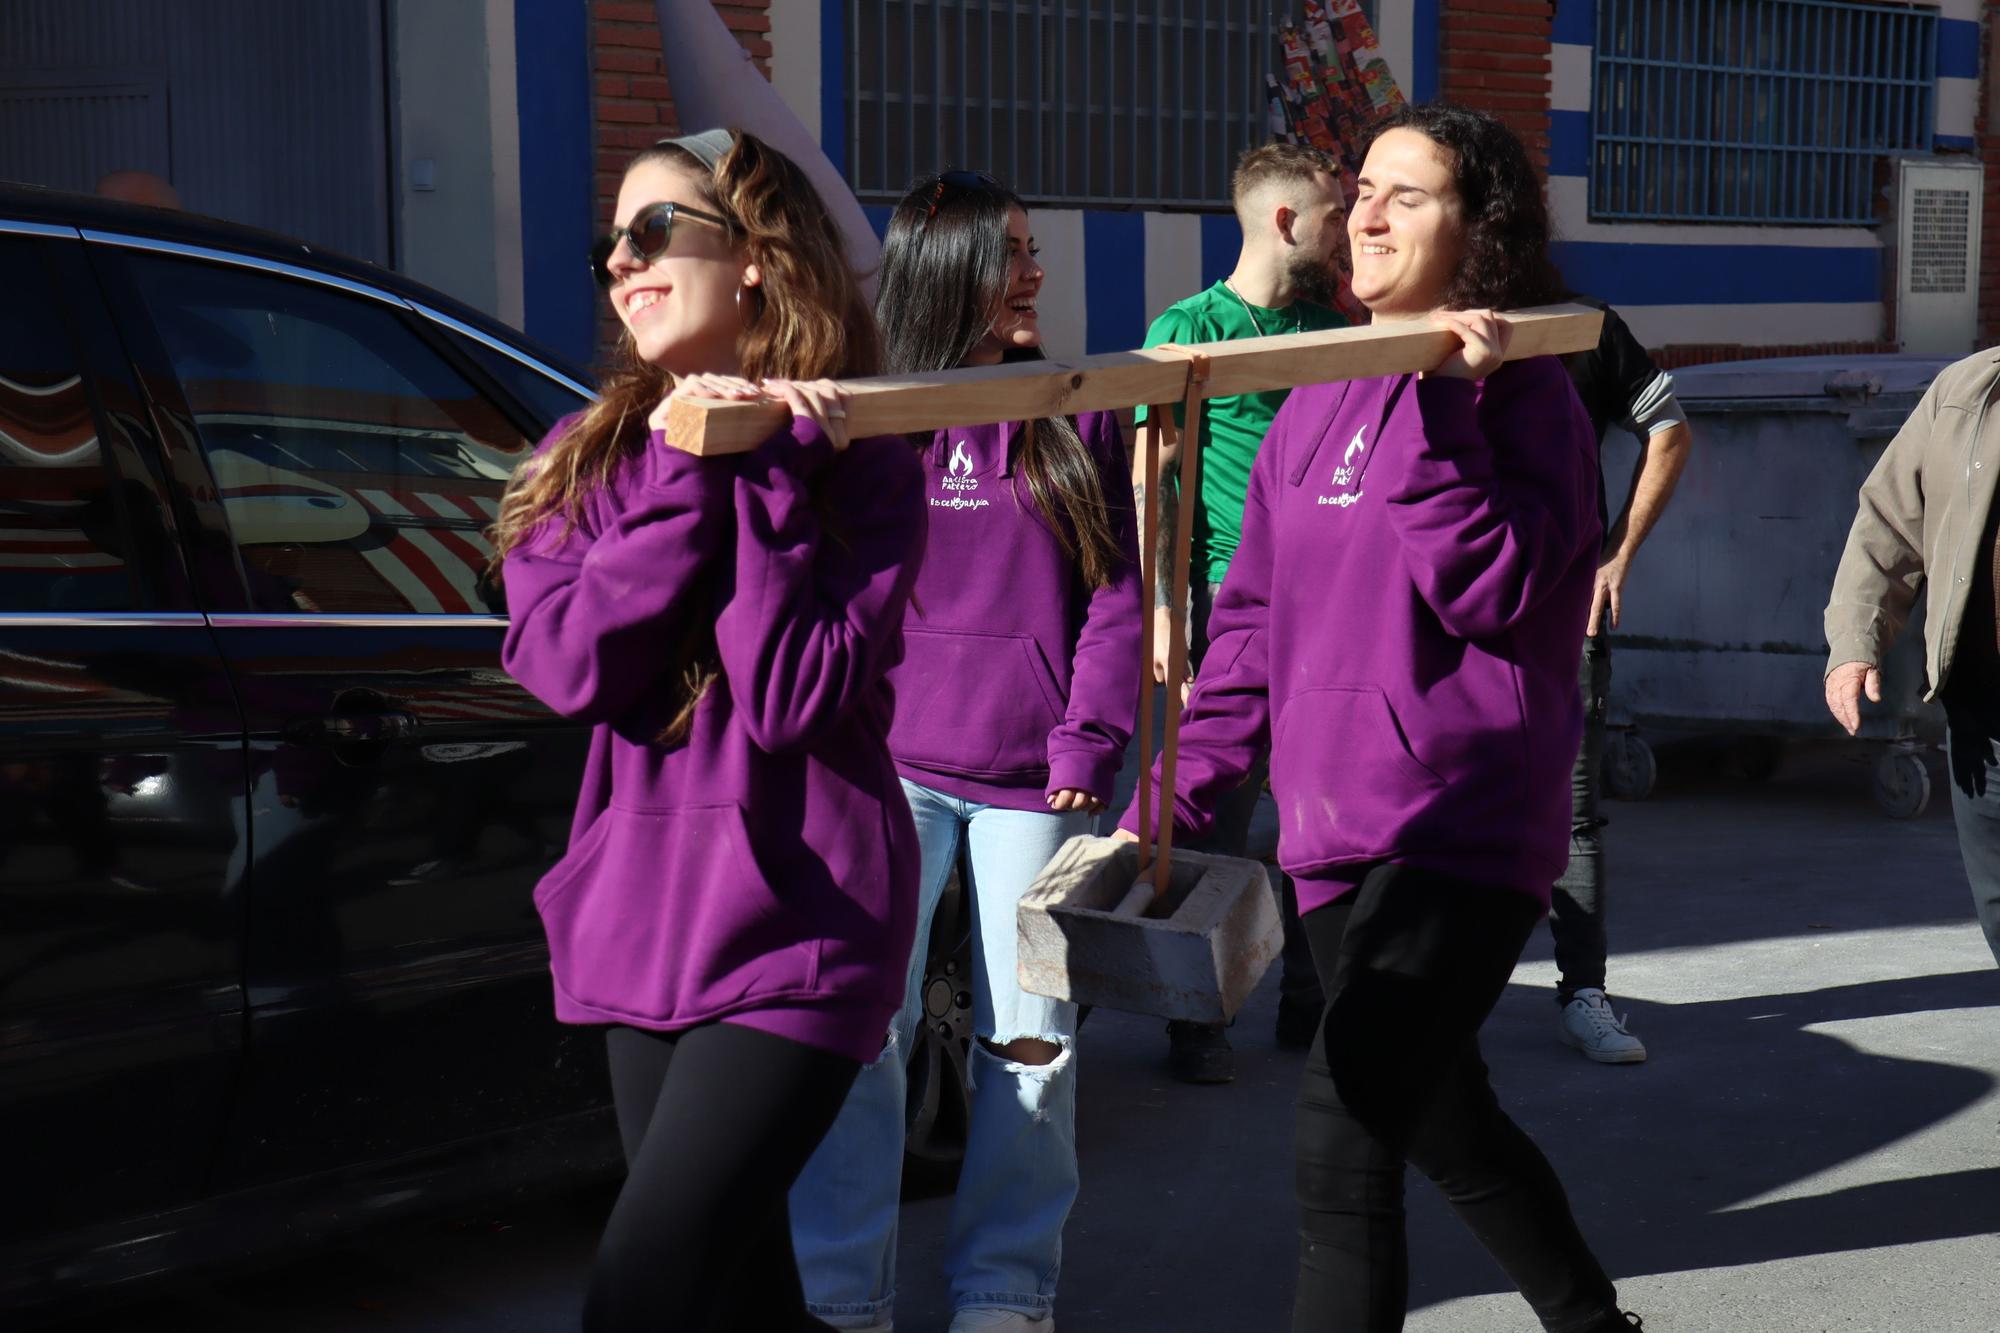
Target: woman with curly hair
column 739, row 897
column 1418, row 692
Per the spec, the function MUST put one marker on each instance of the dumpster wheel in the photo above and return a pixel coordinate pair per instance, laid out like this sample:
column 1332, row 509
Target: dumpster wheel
column 938, row 1105
column 1902, row 783
column 1630, row 769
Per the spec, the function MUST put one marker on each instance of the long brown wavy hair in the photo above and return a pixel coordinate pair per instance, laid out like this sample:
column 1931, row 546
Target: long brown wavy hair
column 944, row 277
column 807, row 319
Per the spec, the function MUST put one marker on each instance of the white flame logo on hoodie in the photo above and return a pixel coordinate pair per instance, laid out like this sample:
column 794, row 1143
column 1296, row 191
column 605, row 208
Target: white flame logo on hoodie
column 1347, row 474
column 959, row 470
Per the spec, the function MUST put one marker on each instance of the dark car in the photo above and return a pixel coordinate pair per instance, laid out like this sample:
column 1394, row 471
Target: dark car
column 270, row 812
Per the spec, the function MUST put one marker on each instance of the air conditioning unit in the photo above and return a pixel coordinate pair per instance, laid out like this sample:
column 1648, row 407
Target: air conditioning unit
column 1937, row 256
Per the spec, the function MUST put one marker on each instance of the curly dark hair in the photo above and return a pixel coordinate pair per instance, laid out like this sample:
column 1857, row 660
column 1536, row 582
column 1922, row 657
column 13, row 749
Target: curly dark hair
column 1506, row 262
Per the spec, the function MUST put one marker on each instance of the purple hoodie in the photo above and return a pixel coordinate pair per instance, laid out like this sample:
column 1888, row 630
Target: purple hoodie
column 1401, row 625
column 764, row 870
column 1019, row 680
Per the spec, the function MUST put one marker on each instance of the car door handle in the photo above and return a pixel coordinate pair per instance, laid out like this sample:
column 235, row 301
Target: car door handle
column 351, row 728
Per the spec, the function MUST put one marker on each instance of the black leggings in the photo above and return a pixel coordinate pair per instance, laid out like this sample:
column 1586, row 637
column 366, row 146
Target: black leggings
column 717, row 1122
column 1412, row 963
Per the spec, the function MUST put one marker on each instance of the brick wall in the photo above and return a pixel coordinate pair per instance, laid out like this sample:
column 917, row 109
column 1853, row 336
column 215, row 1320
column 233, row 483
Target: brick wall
column 1701, row 354
column 632, row 103
column 1494, row 56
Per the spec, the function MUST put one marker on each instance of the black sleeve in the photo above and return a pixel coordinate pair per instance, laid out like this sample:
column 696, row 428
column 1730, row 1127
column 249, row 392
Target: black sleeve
column 1629, row 369
column 1610, row 378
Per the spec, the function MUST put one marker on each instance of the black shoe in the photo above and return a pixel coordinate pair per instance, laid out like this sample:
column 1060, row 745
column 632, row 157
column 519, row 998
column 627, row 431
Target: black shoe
column 1298, row 1023
column 1617, row 1322
column 1199, row 1053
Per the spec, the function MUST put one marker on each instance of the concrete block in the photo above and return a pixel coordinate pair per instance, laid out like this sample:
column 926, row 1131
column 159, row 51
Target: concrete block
column 1196, row 955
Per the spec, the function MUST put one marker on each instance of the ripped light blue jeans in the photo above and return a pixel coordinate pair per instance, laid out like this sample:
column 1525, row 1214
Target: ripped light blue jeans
column 1019, row 1177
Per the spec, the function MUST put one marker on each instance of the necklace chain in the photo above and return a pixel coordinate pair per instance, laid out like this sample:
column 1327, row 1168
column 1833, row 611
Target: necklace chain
column 1255, row 323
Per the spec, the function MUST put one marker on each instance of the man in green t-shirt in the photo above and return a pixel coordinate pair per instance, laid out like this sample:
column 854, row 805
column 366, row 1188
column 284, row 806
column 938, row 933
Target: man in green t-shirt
column 1289, row 203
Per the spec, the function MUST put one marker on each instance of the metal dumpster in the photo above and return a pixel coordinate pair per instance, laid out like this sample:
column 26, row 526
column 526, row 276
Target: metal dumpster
column 1721, row 632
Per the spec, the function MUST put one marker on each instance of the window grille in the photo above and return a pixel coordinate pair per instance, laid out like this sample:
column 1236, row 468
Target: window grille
column 1939, row 220
column 1755, row 110
column 1141, row 103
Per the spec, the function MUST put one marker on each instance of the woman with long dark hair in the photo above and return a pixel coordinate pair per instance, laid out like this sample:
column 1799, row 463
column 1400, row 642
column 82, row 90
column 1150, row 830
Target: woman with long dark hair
column 1402, row 622
column 1013, row 705
column 739, row 896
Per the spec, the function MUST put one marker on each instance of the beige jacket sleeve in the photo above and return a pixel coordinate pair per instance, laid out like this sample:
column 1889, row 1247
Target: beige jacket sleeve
column 1882, row 570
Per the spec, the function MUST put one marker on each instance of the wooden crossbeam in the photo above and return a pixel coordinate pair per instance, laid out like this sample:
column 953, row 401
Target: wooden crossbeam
column 1025, row 390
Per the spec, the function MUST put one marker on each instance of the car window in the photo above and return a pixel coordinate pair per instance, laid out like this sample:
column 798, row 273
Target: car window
column 63, row 521
column 358, row 469
column 549, row 399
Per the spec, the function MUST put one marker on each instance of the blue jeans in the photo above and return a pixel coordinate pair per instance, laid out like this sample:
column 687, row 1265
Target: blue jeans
column 1019, row 1177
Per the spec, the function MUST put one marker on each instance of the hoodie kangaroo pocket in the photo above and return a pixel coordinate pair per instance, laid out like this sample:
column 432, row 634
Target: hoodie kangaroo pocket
column 664, row 914
column 1346, row 781
column 975, row 704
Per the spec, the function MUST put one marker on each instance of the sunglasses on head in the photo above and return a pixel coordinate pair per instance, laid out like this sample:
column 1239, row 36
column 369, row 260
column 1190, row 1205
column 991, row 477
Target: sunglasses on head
column 959, row 180
column 651, row 229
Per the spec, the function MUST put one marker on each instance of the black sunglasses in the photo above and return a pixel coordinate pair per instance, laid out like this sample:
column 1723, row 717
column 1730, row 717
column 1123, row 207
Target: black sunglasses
column 652, row 228
column 959, row 180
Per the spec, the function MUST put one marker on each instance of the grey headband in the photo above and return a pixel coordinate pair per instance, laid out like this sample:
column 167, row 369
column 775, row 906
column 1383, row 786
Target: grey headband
column 706, row 148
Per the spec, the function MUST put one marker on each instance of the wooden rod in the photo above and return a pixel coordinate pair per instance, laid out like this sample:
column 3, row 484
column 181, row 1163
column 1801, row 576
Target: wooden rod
column 1162, row 420
column 1177, row 641
column 906, row 404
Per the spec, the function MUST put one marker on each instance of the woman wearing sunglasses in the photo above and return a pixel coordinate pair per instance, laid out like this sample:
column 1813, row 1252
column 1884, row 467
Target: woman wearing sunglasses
column 738, row 901
column 1013, row 705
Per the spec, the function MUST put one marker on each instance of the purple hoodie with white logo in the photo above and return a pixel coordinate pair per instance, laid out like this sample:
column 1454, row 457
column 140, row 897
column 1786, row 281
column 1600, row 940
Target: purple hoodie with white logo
column 764, row 870
column 1401, row 625
column 1018, row 680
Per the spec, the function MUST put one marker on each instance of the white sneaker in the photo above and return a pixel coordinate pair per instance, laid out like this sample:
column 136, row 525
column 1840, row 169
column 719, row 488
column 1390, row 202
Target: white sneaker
column 981, row 1319
column 1589, row 1025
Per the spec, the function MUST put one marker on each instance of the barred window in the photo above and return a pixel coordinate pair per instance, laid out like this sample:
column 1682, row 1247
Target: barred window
column 1755, row 110
column 1123, row 102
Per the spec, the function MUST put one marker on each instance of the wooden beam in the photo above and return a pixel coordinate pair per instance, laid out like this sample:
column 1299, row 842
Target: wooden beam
column 1024, row 390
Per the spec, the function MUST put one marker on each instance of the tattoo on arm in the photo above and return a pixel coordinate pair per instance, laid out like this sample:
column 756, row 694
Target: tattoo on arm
column 1163, row 554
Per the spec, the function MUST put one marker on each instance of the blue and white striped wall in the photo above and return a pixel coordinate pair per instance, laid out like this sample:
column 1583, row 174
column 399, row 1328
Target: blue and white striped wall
column 1109, row 272
column 1721, row 283
column 558, row 179
column 503, row 217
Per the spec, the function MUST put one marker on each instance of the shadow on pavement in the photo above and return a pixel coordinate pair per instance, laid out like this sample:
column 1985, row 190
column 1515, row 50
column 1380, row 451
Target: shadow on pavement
column 1669, row 1163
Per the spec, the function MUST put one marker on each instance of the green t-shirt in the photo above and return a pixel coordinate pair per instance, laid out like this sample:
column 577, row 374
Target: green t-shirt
column 1236, row 425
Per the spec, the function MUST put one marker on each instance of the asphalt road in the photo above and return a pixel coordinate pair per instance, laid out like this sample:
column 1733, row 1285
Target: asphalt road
column 1813, row 1146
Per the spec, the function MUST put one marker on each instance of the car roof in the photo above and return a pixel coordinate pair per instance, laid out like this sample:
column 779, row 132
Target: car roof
column 86, row 212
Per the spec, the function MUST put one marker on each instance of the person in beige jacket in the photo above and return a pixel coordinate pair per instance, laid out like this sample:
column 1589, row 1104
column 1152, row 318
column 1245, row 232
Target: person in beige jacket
column 1927, row 525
